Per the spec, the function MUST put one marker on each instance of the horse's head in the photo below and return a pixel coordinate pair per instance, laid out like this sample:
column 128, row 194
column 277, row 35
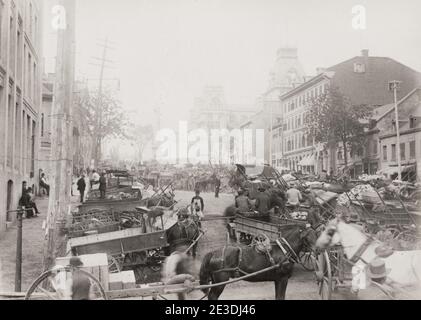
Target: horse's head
column 308, row 236
column 329, row 236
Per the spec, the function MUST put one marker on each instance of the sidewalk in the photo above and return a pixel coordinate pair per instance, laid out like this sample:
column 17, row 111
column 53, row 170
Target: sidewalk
column 32, row 250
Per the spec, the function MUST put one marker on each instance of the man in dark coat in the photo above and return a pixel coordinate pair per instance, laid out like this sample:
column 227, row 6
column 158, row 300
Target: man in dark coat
column 102, row 185
column 262, row 201
column 81, row 284
column 27, row 202
column 217, row 186
column 81, row 186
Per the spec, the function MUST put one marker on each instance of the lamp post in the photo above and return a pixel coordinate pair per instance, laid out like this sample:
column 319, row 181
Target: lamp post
column 394, row 85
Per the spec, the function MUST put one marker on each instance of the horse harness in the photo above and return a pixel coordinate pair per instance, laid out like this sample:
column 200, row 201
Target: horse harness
column 283, row 244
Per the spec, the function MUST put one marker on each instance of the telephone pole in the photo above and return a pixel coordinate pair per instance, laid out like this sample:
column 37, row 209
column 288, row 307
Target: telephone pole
column 394, row 86
column 62, row 162
column 98, row 136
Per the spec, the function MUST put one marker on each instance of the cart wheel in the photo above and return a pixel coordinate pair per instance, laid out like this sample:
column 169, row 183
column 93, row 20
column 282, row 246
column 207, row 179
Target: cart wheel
column 113, row 265
column 307, row 260
column 51, row 285
column 323, row 271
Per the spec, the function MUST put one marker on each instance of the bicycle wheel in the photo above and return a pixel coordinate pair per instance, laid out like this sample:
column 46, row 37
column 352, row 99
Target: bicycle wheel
column 53, row 285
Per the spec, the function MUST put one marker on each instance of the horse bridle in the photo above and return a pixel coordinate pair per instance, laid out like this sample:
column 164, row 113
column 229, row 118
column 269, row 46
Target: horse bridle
column 332, row 229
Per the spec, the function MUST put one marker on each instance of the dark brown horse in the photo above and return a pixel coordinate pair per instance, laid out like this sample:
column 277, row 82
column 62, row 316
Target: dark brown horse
column 182, row 234
column 234, row 261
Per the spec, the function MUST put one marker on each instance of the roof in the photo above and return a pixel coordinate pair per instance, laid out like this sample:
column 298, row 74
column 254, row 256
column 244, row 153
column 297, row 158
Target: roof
column 372, row 86
column 380, row 112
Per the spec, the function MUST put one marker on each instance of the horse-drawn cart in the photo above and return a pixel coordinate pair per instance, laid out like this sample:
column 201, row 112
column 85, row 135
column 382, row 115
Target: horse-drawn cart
column 248, row 226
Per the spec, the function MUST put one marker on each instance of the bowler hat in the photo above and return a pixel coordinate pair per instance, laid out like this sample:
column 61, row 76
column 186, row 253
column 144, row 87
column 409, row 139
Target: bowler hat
column 75, row 262
column 377, row 269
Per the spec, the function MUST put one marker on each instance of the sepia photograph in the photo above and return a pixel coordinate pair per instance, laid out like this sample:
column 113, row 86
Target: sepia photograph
column 196, row 150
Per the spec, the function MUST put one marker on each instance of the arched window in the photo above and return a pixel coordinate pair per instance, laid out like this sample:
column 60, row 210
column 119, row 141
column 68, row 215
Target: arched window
column 303, row 141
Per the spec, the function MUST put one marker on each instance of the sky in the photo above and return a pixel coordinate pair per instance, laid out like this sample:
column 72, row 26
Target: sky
column 166, row 51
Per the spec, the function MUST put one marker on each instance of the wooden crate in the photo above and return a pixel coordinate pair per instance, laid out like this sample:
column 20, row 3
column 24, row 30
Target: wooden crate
column 95, row 264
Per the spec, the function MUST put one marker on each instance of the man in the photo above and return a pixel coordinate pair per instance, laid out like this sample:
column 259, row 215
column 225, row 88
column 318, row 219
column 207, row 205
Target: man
column 294, row 197
column 81, row 284
column 81, row 186
column 197, row 205
column 262, row 201
column 43, row 183
column 27, row 202
column 242, row 202
column 217, row 186
column 102, row 185
column 95, row 178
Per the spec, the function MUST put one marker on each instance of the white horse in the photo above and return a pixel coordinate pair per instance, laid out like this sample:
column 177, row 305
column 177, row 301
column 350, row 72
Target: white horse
column 405, row 266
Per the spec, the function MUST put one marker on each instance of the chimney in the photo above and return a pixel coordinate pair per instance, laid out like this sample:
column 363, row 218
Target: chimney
column 364, row 53
column 320, row 70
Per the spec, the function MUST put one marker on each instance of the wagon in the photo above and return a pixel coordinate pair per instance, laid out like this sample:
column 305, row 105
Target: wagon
column 134, row 248
column 248, row 227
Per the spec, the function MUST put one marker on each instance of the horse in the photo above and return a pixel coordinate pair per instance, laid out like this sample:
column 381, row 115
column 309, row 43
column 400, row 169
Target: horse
column 231, row 261
column 362, row 249
column 183, row 233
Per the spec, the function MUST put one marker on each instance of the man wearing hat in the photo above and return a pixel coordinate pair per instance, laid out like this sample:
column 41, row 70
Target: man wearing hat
column 242, row 202
column 262, row 201
column 81, row 284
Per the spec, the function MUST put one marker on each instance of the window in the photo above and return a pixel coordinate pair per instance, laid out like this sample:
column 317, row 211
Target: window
column 412, row 150
column 393, row 152
column 303, row 141
column 359, row 68
column 375, row 142
column 402, row 150
column 42, row 125
column 339, row 155
column 412, row 122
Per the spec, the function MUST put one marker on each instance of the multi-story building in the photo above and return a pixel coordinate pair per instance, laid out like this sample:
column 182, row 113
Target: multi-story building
column 286, row 74
column 409, row 111
column 212, row 112
column 365, row 81
column 20, row 99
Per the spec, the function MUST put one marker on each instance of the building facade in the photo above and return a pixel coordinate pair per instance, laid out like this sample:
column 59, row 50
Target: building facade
column 20, row 100
column 287, row 73
column 365, row 81
column 409, row 110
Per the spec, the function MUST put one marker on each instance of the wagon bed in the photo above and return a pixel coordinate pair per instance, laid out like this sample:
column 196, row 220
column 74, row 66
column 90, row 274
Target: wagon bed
column 270, row 225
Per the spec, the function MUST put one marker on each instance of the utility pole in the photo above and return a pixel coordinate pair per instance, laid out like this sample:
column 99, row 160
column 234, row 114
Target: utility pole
column 394, row 85
column 61, row 164
column 98, row 136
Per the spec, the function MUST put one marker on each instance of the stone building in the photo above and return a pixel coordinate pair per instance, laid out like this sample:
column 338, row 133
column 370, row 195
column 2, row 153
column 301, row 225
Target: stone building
column 20, row 100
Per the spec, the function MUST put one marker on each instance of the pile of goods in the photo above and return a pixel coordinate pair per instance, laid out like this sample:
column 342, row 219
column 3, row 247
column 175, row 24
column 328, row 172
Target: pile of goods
column 122, row 196
column 374, row 177
column 299, row 215
column 364, row 193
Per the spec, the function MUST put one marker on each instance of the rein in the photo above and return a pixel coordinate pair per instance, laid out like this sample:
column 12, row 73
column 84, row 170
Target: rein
column 289, row 252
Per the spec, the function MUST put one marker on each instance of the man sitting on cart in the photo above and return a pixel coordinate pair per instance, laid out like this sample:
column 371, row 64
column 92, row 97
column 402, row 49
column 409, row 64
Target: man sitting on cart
column 262, row 201
column 242, row 202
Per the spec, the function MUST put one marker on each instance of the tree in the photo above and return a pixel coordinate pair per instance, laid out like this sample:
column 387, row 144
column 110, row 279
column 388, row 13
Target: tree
column 100, row 117
column 141, row 136
column 333, row 119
